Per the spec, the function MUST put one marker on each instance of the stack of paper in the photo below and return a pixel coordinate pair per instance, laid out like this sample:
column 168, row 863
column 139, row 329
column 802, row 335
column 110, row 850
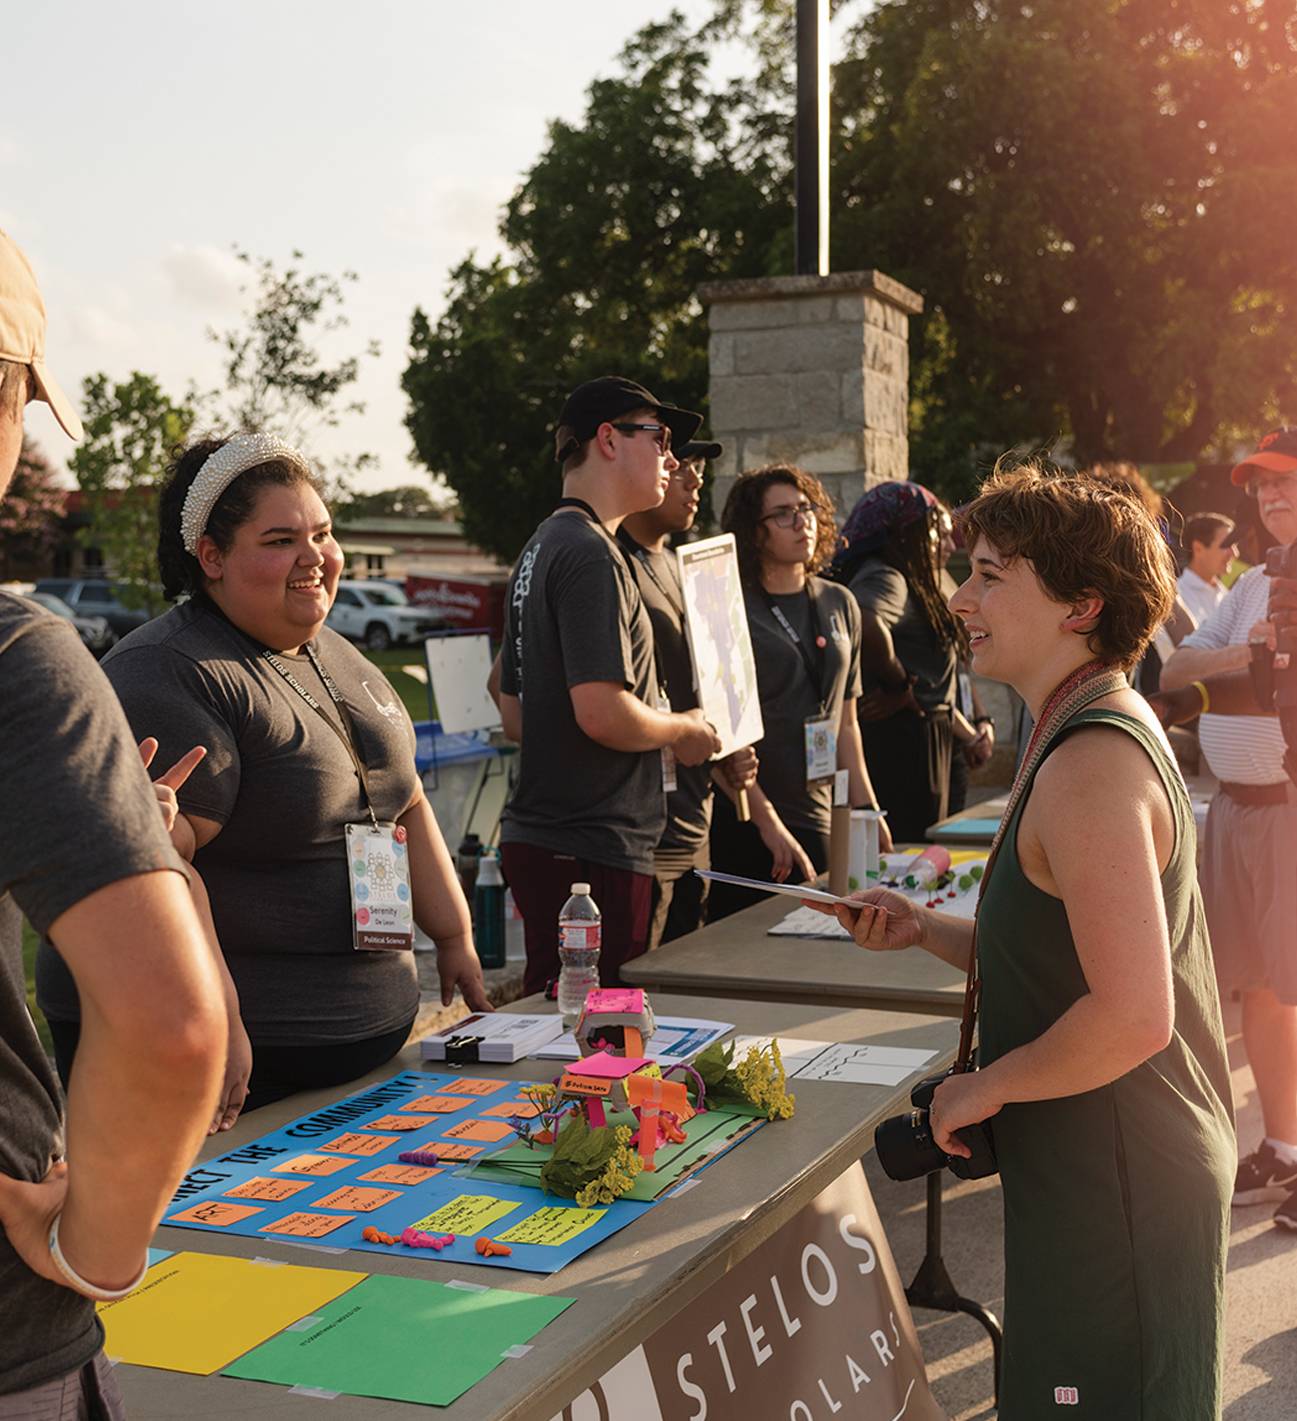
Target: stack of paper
column 852, row 1065
column 501, row 1036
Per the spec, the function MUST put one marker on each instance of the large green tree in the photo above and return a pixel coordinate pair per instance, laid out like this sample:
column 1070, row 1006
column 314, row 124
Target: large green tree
column 1096, row 198
column 132, row 429
column 669, row 180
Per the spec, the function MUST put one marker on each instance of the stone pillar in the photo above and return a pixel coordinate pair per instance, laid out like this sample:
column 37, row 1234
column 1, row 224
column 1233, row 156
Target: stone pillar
column 811, row 370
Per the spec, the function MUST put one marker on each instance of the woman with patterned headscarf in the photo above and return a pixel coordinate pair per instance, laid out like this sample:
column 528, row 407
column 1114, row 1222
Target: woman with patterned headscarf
column 909, row 652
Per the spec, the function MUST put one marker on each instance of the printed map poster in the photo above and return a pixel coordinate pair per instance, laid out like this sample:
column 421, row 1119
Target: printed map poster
column 725, row 672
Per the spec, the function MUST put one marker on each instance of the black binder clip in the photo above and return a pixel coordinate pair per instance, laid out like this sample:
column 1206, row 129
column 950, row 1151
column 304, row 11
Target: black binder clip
column 462, row 1050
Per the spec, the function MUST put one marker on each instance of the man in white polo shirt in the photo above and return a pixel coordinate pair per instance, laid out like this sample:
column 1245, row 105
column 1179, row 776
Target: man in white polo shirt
column 1249, row 864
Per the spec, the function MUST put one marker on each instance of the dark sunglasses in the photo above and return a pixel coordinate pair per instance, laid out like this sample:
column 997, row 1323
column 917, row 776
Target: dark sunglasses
column 663, row 432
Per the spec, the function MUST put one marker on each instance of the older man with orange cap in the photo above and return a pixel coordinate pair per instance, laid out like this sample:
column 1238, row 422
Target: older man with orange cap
column 1249, row 862
column 85, row 856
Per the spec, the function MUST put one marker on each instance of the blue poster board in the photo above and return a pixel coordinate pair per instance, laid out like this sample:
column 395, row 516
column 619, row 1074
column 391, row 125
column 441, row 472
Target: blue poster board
column 326, row 1177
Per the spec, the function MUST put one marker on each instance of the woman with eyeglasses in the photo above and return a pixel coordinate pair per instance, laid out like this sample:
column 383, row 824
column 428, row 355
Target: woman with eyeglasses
column 806, row 642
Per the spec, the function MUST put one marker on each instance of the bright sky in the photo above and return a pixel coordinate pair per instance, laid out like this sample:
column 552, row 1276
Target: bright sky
column 139, row 142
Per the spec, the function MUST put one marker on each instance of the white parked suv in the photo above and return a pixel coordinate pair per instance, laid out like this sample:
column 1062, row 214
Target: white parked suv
column 380, row 615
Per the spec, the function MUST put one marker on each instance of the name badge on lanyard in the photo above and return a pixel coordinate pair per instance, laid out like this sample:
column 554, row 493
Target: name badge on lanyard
column 378, row 863
column 821, row 748
column 669, row 785
column 378, row 872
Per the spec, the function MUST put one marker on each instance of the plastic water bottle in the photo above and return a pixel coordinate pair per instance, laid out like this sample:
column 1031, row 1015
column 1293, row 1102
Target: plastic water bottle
column 580, row 936
column 488, row 911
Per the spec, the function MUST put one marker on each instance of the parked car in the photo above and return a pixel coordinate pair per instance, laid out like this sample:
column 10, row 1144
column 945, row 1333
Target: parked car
column 380, row 615
column 96, row 597
column 94, row 631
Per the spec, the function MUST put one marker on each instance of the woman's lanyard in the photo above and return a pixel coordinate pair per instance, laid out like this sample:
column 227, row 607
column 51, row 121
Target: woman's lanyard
column 814, row 662
column 346, row 733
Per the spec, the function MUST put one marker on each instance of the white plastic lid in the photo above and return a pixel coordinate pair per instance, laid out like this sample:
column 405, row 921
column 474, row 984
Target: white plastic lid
column 580, row 890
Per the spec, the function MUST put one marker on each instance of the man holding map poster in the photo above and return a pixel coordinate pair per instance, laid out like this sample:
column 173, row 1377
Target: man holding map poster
column 578, row 655
column 679, row 895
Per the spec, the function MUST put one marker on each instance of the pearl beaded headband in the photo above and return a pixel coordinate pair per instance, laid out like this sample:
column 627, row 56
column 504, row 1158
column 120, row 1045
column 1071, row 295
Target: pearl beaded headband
column 238, row 454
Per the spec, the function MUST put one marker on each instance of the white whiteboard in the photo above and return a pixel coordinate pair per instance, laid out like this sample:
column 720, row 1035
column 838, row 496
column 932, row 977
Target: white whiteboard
column 725, row 672
column 458, row 667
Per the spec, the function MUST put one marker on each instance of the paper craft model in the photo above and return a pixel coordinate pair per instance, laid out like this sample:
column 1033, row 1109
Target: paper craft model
column 618, row 1020
column 605, row 1082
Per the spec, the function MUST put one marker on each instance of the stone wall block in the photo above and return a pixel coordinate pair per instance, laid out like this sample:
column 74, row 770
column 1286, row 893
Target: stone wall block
column 885, row 405
column 825, row 346
column 752, row 402
column 819, row 399
column 887, row 354
column 753, row 315
column 813, row 309
column 720, row 354
column 886, row 456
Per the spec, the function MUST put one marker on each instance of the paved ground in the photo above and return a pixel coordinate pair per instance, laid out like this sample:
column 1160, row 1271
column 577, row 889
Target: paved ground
column 1261, row 1322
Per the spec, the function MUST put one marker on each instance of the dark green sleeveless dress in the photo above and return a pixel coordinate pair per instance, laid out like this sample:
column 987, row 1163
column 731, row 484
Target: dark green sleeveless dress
column 1116, row 1202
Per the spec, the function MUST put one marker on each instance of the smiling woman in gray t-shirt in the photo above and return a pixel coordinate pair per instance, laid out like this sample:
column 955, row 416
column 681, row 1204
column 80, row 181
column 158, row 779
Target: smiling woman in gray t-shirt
column 264, row 816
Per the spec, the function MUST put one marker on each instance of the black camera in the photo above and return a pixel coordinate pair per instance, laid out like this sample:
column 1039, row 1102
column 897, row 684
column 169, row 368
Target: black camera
column 1274, row 673
column 906, row 1149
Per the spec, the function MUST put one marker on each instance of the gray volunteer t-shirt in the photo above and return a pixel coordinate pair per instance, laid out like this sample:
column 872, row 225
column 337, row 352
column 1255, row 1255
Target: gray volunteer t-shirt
column 78, row 815
column 788, row 696
column 882, row 590
column 689, row 805
column 573, row 615
column 283, row 787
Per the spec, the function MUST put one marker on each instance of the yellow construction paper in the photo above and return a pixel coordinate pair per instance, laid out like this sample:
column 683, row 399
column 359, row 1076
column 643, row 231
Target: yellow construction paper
column 552, row 1226
column 197, row 1312
column 467, row 1214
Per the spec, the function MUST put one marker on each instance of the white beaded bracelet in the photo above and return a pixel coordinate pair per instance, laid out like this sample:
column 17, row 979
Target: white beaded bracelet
column 88, row 1289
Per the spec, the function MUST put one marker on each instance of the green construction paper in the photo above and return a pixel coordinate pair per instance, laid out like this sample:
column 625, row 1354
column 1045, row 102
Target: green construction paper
column 402, row 1339
column 705, row 1134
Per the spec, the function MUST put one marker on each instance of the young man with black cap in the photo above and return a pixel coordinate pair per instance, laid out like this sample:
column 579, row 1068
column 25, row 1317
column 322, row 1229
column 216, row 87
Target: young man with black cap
column 578, row 656
column 679, row 895
column 1248, row 872
column 85, row 856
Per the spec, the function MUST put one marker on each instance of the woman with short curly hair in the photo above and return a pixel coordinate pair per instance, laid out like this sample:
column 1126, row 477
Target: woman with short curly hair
column 1101, row 1064
column 806, row 641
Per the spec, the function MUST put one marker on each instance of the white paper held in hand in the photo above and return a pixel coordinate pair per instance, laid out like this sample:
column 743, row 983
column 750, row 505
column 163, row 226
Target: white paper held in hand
column 789, row 890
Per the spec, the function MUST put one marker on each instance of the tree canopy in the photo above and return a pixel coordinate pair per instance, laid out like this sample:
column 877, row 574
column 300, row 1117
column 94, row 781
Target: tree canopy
column 1096, row 198
column 31, row 515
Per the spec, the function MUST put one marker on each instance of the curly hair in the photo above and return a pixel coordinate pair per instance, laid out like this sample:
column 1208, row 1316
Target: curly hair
column 1085, row 535
column 179, row 569
column 743, row 508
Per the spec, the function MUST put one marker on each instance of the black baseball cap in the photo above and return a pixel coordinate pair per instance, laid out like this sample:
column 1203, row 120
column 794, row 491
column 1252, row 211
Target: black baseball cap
column 699, row 449
column 603, row 400
column 1276, row 451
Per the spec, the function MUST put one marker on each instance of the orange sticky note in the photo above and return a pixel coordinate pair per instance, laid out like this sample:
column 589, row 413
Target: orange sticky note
column 307, row 1225
column 447, row 1151
column 489, row 1131
column 311, row 1164
column 219, row 1215
column 523, row 1109
column 360, row 1144
column 352, row 1196
column 399, row 1174
column 474, row 1087
column 401, row 1122
column 438, row 1104
column 270, row 1189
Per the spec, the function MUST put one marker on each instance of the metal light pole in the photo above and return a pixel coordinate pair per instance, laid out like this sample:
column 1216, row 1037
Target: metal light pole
column 812, row 139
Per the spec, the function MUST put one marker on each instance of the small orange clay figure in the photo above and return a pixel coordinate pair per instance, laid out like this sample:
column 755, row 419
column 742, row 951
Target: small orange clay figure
column 488, row 1248
column 373, row 1235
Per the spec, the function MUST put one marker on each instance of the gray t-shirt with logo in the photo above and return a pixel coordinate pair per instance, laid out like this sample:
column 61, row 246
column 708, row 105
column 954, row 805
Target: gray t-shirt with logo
column 77, row 815
column 788, row 696
column 573, row 615
column 283, row 786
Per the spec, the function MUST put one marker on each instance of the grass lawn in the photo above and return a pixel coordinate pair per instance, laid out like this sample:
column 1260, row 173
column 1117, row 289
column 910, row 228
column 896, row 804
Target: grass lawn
column 412, row 690
column 30, row 943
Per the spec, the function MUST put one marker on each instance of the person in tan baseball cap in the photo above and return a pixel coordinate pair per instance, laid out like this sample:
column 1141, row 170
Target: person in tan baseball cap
column 22, row 334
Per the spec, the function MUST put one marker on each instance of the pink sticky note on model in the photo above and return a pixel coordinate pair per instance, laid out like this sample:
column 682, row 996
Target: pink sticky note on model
column 603, row 1067
column 615, row 999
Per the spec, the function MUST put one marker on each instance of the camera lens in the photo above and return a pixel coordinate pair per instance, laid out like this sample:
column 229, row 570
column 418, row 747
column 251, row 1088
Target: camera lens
column 906, row 1149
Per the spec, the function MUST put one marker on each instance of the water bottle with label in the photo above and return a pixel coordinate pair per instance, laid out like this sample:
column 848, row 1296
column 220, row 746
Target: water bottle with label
column 580, row 936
